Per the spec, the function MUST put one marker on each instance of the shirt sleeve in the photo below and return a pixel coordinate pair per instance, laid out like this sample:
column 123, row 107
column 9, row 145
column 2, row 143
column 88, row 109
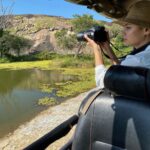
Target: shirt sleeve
column 100, row 71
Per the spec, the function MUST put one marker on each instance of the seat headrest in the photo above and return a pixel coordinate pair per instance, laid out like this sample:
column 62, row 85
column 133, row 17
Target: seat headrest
column 128, row 81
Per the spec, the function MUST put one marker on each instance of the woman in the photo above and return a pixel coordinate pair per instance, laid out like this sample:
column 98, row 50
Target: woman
column 136, row 33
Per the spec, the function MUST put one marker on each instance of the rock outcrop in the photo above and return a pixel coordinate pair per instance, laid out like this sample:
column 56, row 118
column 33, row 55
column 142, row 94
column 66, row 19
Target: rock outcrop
column 40, row 30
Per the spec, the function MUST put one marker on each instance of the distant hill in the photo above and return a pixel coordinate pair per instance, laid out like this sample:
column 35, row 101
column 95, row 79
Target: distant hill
column 41, row 29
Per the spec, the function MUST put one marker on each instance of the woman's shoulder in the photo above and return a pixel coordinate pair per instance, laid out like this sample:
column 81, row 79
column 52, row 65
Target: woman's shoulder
column 147, row 48
column 144, row 51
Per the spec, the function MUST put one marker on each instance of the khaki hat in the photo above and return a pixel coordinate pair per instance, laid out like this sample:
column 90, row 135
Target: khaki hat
column 138, row 14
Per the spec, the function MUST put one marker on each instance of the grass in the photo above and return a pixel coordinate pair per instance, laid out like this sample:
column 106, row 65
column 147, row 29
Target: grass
column 27, row 65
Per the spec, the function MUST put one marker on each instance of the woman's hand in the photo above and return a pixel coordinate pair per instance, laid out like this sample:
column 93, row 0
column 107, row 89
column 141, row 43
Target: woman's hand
column 91, row 42
column 104, row 46
column 97, row 51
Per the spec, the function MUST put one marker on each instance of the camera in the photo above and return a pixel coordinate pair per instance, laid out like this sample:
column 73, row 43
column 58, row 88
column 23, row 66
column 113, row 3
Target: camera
column 97, row 33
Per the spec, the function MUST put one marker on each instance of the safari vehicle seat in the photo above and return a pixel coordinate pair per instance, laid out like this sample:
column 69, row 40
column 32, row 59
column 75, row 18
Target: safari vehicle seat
column 114, row 118
column 117, row 122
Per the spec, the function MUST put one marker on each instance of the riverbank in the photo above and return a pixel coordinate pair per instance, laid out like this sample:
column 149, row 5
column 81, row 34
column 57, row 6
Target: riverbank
column 41, row 124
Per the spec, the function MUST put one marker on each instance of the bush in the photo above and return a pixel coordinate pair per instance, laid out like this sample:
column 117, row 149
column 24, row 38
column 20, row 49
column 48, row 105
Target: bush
column 45, row 55
column 4, row 60
column 84, row 22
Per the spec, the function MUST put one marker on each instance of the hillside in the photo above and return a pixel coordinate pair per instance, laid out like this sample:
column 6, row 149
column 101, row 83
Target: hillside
column 33, row 23
column 28, row 34
column 40, row 30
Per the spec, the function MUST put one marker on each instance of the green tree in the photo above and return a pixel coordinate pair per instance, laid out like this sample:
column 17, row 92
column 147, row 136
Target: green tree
column 79, row 23
column 11, row 42
column 5, row 44
column 17, row 43
column 69, row 42
column 84, row 22
column 64, row 40
column 115, row 30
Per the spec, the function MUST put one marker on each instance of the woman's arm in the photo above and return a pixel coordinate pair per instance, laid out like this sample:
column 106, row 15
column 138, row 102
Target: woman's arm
column 99, row 63
column 100, row 69
column 96, row 50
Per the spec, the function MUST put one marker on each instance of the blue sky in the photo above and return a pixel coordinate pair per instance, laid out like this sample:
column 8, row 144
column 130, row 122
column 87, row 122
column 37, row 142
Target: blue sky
column 52, row 7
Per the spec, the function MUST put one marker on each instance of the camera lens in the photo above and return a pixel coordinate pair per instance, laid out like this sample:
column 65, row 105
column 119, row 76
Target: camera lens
column 80, row 36
column 97, row 33
column 89, row 33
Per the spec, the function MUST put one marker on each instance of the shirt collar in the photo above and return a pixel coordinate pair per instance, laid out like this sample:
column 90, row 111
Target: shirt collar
column 140, row 49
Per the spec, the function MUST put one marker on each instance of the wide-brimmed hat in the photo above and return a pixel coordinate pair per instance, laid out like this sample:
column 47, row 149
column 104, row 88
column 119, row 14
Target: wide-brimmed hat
column 138, row 14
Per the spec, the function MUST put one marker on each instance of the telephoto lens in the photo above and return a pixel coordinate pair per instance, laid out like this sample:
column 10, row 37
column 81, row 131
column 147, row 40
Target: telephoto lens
column 89, row 33
column 97, row 33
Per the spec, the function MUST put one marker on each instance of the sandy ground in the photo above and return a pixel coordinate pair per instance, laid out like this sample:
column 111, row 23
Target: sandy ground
column 42, row 124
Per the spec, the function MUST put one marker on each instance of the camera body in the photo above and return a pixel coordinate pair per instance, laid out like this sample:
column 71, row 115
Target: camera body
column 97, row 33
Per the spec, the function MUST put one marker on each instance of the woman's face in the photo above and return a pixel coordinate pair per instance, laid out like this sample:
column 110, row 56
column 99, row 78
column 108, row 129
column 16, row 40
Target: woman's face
column 133, row 35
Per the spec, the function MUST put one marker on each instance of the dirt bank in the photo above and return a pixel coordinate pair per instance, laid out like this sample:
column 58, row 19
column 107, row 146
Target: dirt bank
column 40, row 125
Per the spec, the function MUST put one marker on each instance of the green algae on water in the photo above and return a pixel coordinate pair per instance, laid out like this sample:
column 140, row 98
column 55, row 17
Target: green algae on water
column 46, row 101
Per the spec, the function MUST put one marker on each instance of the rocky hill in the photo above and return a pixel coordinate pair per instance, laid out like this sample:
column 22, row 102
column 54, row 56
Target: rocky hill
column 40, row 29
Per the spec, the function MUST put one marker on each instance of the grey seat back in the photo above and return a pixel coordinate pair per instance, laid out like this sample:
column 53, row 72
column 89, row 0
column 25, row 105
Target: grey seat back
column 114, row 123
column 117, row 122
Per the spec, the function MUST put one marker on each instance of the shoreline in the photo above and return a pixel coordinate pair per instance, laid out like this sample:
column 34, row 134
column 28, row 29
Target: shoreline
column 42, row 124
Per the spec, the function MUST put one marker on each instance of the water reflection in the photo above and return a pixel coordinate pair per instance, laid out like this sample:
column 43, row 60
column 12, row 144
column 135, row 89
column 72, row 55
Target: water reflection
column 19, row 93
column 9, row 79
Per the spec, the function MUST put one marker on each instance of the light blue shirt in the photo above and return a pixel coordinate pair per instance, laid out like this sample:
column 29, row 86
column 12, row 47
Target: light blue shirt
column 141, row 59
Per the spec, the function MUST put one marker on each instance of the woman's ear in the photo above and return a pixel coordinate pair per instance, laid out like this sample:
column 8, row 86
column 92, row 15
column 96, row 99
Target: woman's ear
column 147, row 31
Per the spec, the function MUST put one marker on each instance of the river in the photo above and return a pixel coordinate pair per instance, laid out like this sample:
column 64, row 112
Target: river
column 20, row 91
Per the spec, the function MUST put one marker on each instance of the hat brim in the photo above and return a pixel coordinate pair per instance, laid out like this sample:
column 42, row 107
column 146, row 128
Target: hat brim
column 125, row 21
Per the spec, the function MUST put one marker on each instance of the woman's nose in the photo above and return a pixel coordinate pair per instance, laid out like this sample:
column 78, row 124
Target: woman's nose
column 123, row 32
